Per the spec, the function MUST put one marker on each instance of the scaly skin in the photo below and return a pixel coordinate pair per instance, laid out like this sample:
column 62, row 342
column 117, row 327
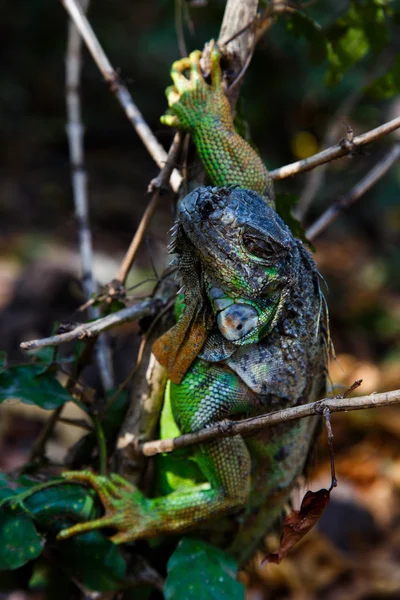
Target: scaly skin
column 252, row 338
column 204, row 111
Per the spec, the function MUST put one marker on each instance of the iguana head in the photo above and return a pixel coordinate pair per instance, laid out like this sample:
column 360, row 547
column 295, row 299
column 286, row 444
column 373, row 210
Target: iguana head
column 247, row 254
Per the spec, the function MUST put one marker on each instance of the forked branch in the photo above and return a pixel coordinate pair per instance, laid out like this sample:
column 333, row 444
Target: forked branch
column 89, row 330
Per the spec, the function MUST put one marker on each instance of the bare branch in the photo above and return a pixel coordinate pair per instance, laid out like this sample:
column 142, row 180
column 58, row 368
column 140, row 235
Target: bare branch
column 92, row 329
column 344, row 148
column 376, row 173
column 134, row 115
column 230, row 428
column 239, row 39
column 180, row 36
column 156, row 186
column 75, row 132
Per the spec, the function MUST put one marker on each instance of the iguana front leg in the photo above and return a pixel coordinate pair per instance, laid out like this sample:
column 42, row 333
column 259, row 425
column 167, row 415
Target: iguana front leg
column 204, row 111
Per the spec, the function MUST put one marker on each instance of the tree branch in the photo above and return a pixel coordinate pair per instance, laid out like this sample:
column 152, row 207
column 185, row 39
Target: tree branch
column 156, row 185
column 239, row 39
column 343, row 148
column 230, row 428
column 88, row 330
column 134, row 115
column 75, row 132
column 332, row 213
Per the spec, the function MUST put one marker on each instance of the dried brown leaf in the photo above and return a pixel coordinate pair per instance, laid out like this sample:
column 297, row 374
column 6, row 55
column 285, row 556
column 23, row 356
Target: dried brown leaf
column 299, row 522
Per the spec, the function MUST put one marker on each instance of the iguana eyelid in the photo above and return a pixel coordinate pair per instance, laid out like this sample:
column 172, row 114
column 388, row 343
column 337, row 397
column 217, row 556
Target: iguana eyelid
column 263, row 248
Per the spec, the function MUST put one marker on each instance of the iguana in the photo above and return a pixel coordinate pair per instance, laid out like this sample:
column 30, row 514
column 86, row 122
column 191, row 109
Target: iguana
column 252, row 338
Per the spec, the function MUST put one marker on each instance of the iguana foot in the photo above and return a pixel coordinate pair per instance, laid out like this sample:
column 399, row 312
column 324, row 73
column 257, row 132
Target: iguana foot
column 203, row 110
column 191, row 99
column 125, row 507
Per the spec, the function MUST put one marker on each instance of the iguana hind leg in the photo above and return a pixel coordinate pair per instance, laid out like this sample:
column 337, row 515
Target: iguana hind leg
column 225, row 463
column 214, row 393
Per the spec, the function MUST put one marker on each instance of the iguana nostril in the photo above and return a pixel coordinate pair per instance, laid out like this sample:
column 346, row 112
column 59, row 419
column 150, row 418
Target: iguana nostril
column 236, row 321
column 206, row 209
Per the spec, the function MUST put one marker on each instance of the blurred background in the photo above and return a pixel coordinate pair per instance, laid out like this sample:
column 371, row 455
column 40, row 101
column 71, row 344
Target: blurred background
column 291, row 114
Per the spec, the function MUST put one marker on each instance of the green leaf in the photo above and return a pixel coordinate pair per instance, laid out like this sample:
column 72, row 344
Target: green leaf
column 284, row 207
column 8, row 488
column 42, row 355
column 30, row 385
column 198, row 571
column 388, row 85
column 361, row 30
column 50, row 505
column 20, row 541
column 93, row 560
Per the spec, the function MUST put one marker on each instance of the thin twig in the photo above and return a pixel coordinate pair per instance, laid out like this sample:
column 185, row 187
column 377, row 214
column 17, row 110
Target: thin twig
column 130, row 255
column 326, row 413
column 315, row 179
column 75, row 132
column 344, row 148
column 269, row 15
column 180, row 36
column 80, row 423
column 151, row 143
column 39, row 445
column 89, row 330
column 230, row 428
column 139, row 357
column 101, row 444
column 332, row 213
column 238, row 33
column 156, row 185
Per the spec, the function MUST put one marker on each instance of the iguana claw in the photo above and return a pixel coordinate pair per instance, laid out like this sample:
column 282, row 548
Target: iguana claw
column 189, row 97
column 124, row 506
column 203, row 110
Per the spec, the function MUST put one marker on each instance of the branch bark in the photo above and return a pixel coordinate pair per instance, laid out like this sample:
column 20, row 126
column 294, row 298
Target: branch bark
column 75, row 133
column 230, row 428
column 134, row 115
column 376, row 173
column 343, row 148
column 89, row 330
column 156, row 185
column 238, row 13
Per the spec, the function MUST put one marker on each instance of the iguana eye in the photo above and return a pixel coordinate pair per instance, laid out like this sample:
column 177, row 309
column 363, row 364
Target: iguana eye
column 258, row 246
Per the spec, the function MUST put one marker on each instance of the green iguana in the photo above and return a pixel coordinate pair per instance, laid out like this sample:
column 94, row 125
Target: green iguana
column 252, row 338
